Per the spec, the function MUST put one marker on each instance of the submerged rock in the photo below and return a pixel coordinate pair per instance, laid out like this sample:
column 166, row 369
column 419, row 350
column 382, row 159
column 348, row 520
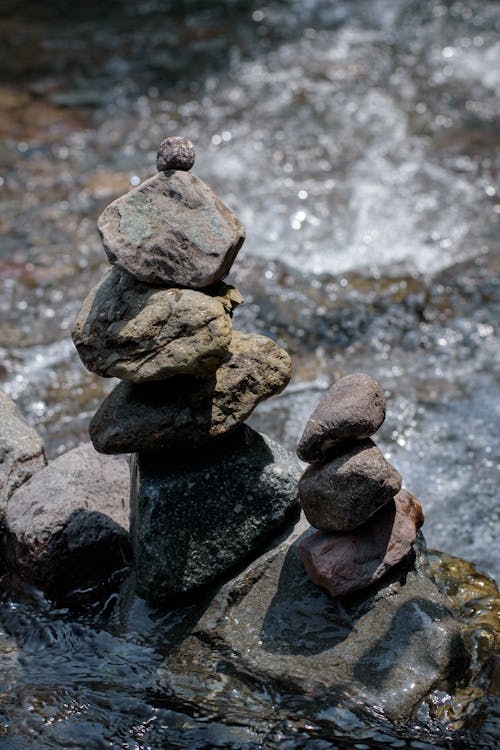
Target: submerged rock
column 67, row 527
column 183, row 413
column 342, row 562
column 345, row 492
column 194, row 517
column 352, row 409
column 128, row 330
column 172, row 231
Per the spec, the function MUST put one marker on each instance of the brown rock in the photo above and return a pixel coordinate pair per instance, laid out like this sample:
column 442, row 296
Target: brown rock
column 353, row 409
column 129, row 330
column 183, row 413
column 341, row 562
column 172, row 231
column 344, row 493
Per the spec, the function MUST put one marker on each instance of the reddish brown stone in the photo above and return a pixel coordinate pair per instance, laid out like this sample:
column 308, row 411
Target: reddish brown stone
column 342, row 562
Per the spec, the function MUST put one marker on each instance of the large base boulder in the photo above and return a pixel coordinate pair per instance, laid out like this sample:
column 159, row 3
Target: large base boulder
column 195, row 516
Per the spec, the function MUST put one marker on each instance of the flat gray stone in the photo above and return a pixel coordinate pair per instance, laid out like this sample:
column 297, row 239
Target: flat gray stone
column 384, row 650
column 193, row 518
column 67, row 527
column 183, row 413
column 353, row 409
column 172, row 231
column 129, row 330
column 346, row 491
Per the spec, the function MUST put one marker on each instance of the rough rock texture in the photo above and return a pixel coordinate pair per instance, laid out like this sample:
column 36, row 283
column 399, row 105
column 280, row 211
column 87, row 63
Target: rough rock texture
column 192, row 519
column 67, row 527
column 383, row 650
column 353, row 409
column 128, row 330
column 184, row 413
column 175, row 152
column 345, row 492
column 172, row 231
column 22, row 452
column 342, row 562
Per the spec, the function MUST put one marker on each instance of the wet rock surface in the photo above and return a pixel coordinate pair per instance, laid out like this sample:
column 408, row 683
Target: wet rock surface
column 195, row 517
column 187, row 413
column 132, row 331
column 67, row 527
column 352, row 409
column 346, row 491
column 343, row 562
column 172, row 231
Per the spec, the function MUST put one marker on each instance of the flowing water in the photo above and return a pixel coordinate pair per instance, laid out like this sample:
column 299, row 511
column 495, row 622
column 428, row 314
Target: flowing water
column 358, row 143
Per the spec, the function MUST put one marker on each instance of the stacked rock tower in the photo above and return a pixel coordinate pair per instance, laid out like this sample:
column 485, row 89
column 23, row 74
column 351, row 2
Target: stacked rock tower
column 206, row 488
column 367, row 524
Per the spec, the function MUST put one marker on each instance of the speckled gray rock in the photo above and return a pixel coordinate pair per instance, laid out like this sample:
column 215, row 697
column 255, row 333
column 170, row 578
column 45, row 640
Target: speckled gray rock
column 67, row 527
column 353, row 409
column 22, row 452
column 172, row 231
column 194, row 518
column 345, row 492
column 345, row 561
column 386, row 648
column 183, row 413
column 129, row 330
column 175, row 152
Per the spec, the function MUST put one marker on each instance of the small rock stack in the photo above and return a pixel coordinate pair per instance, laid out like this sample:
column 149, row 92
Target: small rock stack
column 367, row 523
column 161, row 322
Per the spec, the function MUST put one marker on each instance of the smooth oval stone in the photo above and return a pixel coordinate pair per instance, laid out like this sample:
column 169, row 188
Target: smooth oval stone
column 345, row 492
column 353, row 409
column 129, row 330
column 183, row 412
column 342, row 562
column 175, row 152
column 172, row 231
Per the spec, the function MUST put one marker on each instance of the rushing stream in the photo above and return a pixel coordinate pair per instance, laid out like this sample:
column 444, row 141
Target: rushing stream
column 357, row 140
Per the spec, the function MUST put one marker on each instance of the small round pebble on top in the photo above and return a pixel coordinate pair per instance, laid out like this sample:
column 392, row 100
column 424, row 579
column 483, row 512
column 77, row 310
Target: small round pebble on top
column 175, row 152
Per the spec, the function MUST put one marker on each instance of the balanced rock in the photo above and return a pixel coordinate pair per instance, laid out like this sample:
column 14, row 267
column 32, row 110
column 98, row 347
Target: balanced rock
column 175, row 152
column 352, row 409
column 172, row 231
column 345, row 492
column 129, row 330
column 183, row 412
column 67, row 527
column 342, row 562
column 194, row 518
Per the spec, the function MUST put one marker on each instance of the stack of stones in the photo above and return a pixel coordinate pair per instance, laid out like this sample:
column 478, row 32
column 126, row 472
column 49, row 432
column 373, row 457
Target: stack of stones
column 367, row 523
column 206, row 488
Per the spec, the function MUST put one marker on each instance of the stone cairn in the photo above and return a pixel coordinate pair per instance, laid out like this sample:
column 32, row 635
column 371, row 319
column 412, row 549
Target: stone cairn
column 367, row 523
column 206, row 489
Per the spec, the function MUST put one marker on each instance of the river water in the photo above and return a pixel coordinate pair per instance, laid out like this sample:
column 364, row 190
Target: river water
column 358, row 143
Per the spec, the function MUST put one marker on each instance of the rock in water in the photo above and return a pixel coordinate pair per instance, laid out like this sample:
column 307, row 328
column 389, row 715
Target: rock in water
column 128, row 330
column 342, row 562
column 384, row 650
column 353, row 409
column 345, row 492
column 175, row 152
column 172, row 231
column 193, row 519
column 184, row 413
column 67, row 527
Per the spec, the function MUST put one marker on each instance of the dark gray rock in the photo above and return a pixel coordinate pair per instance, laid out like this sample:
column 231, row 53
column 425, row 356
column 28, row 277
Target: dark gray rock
column 183, row 413
column 172, row 231
column 22, row 452
column 384, row 650
column 175, row 152
column 353, row 409
column 194, row 518
column 346, row 561
column 129, row 330
column 67, row 527
column 345, row 492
